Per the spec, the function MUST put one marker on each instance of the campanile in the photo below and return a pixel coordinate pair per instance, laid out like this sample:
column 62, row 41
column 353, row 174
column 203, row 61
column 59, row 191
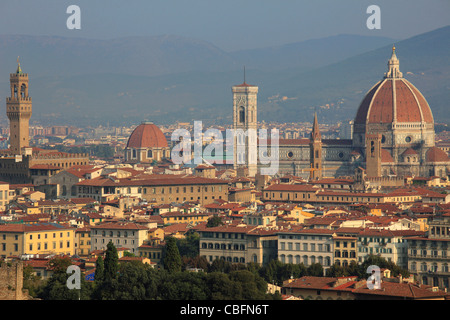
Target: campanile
column 18, row 110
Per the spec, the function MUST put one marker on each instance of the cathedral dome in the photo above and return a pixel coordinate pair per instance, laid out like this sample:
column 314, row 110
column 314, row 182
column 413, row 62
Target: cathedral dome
column 147, row 135
column 394, row 100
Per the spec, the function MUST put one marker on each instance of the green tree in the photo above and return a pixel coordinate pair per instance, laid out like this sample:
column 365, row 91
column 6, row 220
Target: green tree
column 172, row 258
column 111, row 262
column 336, row 271
column 315, row 270
column 189, row 245
column 99, row 270
column 248, row 285
column 220, row 265
column 183, row 286
column 220, row 286
column 56, row 287
column 214, row 221
column 30, row 281
column 128, row 254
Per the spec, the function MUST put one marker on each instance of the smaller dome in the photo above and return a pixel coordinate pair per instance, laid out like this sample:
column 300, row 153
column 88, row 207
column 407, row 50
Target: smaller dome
column 147, row 135
column 435, row 154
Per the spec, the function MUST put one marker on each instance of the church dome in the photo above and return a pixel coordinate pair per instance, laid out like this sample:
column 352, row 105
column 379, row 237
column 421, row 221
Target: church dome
column 147, row 135
column 394, row 99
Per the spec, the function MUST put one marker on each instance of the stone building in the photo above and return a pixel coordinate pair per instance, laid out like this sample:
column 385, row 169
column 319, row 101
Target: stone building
column 428, row 256
column 393, row 135
column 238, row 244
column 245, row 126
column 146, row 144
column 22, row 163
column 11, row 282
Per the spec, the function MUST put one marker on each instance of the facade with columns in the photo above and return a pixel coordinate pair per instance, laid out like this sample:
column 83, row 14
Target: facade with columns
column 393, row 135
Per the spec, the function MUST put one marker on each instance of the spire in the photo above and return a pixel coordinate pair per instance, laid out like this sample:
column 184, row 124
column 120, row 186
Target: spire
column 315, row 133
column 393, row 66
column 19, row 69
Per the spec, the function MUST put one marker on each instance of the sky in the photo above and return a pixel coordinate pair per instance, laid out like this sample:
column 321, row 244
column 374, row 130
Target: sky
column 229, row 24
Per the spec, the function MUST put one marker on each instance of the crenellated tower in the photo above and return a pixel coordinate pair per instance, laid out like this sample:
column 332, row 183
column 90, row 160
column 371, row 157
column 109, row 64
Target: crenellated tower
column 18, row 110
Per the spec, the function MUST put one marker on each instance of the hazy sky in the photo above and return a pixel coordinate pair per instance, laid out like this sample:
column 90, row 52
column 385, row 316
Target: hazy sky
column 229, row 24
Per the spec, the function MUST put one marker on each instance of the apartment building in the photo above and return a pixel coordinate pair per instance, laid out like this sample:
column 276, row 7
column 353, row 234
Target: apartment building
column 40, row 238
column 158, row 190
column 122, row 234
column 307, row 246
column 391, row 245
column 429, row 257
column 238, row 244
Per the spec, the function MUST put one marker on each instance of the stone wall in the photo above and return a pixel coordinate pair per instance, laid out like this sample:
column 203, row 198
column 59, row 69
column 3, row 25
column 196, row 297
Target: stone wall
column 11, row 281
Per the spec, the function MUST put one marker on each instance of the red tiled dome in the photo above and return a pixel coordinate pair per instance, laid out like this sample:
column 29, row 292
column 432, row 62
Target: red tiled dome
column 435, row 154
column 147, row 135
column 393, row 99
column 378, row 104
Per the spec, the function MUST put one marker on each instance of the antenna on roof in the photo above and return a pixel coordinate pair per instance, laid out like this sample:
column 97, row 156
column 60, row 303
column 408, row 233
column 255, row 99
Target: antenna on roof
column 244, row 74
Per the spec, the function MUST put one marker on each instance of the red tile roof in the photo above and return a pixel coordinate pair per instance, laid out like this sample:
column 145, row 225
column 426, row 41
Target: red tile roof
column 147, row 135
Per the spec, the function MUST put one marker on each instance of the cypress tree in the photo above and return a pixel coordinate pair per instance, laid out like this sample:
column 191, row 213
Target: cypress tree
column 111, row 262
column 99, row 270
column 172, row 259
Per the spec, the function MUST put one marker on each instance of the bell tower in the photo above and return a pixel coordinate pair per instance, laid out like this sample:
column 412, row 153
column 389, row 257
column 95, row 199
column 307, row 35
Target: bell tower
column 373, row 155
column 18, row 110
column 315, row 146
column 245, row 126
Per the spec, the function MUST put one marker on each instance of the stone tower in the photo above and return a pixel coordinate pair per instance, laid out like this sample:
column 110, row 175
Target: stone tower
column 18, row 110
column 315, row 153
column 373, row 155
column 245, row 126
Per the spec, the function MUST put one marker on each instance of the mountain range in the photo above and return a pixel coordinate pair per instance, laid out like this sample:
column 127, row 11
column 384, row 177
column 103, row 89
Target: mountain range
column 170, row 78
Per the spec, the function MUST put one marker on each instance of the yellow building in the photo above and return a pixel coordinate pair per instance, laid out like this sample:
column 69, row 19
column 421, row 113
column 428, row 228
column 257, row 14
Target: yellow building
column 43, row 238
column 153, row 250
column 83, row 241
column 180, row 217
column 4, row 195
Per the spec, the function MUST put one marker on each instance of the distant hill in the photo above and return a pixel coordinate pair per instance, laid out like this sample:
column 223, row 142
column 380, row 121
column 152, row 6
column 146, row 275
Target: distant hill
column 309, row 54
column 424, row 60
column 169, row 78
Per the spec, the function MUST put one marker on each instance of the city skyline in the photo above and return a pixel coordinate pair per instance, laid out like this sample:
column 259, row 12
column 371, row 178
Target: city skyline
column 256, row 151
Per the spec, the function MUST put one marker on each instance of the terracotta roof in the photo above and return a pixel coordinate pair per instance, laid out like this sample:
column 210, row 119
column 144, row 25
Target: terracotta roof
column 378, row 104
column 120, row 226
column 291, row 187
column 435, row 154
column 244, row 84
column 147, row 135
column 17, row 228
column 386, row 156
column 150, row 181
column 410, row 151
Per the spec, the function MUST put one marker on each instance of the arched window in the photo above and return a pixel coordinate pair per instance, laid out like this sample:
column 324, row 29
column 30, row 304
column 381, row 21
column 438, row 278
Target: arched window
column 23, row 90
column 149, row 154
column 241, row 115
